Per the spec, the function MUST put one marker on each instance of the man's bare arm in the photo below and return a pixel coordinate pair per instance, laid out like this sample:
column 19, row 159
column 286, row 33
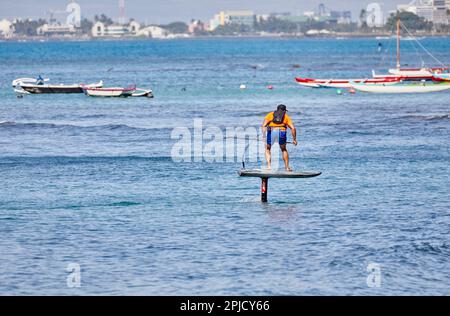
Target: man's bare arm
column 294, row 133
column 264, row 127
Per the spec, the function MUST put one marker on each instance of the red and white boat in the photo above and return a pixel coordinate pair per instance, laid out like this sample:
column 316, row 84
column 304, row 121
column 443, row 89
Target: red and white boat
column 394, row 76
column 411, row 74
column 343, row 83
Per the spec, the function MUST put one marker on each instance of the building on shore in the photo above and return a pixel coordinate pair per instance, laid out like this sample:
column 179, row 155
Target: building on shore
column 232, row 17
column 340, row 17
column 56, row 30
column 440, row 15
column 325, row 14
column 6, row 29
column 431, row 10
column 68, row 28
column 425, row 9
column 293, row 18
column 133, row 29
column 100, row 29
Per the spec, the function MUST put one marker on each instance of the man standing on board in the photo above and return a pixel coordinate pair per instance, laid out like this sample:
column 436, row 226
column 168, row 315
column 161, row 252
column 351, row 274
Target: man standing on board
column 275, row 125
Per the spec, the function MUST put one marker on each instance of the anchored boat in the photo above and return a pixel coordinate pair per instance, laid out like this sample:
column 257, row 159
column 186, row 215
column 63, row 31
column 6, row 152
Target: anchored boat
column 411, row 74
column 342, row 83
column 109, row 92
column 413, row 87
column 38, row 86
column 143, row 93
column 393, row 77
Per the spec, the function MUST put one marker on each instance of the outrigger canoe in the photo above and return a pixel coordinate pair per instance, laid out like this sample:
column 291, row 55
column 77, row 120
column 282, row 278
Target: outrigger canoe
column 36, row 86
column 419, row 87
column 343, row 83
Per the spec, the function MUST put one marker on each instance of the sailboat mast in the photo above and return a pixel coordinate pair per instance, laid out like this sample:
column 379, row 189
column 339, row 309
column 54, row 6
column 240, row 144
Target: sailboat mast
column 398, row 43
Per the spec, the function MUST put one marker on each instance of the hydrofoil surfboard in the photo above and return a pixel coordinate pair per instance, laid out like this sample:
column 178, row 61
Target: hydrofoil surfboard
column 266, row 174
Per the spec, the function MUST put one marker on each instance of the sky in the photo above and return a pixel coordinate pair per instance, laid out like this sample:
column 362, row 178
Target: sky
column 164, row 11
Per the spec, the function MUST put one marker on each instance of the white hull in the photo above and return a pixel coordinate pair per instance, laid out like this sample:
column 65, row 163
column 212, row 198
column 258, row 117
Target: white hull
column 410, row 73
column 51, row 89
column 376, row 76
column 402, row 88
column 142, row 93
column 342, row 83
column 110, row 93
column 311, row 85
column 349, row 85
column 335, row 85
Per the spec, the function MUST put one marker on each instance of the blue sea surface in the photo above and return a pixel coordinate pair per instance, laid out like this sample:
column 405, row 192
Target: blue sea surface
column 91, row 181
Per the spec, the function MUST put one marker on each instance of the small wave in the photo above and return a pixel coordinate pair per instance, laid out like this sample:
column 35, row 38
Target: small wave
column 6, row 123
column 124, row 204
column 78, row 159
column 94, row 116
column 360, row 133
column 429, row 117
column 254, row 114
column 430, row 248
column 32, row 125
column 84, row 206
column 257, row 66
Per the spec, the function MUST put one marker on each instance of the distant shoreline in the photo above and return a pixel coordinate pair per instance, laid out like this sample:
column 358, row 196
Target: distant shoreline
column 254, row 36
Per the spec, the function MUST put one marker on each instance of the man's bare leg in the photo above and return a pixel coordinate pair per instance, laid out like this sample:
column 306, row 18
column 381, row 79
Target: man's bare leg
column 285, row 157
column 268, row 157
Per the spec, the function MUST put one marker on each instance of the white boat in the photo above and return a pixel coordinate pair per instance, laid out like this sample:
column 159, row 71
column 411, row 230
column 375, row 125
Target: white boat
column 41, row 86
column 33, row 88
column 411, row 74
column 342, row 83
column 142, row 93
column 417, row 73
column 109, row 92
column 419, row 87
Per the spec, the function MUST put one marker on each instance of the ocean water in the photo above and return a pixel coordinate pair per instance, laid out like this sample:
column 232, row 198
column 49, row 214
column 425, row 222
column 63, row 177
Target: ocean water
column 91, row 182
